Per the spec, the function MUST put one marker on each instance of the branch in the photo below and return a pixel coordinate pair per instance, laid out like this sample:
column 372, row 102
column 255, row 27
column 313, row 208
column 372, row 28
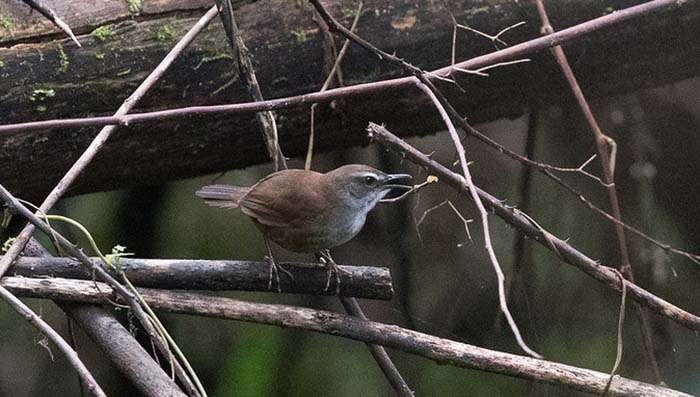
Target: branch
column 99, row 141
column 86, row 377
column 116, row 342
column 309, row 278
column 51, row 16
column 101, row 274
column 603, row 144
column 524, row 223
column 507, row 54
column 441, row 350
column 266, row 120
column 122, row 349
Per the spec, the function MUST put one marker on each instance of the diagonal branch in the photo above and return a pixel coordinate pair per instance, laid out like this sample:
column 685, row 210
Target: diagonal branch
column 447, row 112
column 523, row 223
column 266, row 120
column 51, row 16
column 86, row 377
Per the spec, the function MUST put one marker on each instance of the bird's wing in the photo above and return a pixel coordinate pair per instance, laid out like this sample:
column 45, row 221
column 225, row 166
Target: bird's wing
column 282, row 199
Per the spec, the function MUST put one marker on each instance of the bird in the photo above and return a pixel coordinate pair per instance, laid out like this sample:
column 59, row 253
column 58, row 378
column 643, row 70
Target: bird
column 307, row 211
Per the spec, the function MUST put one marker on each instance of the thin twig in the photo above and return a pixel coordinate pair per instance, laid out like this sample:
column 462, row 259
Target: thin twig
column 620, row 323
column 51, row 16
column 604, row 145
column 443, row 351
column 484, row 217
column 85, row 376
column 494, row 38
column 326, row 84
column 266, row 120
column 520, row 221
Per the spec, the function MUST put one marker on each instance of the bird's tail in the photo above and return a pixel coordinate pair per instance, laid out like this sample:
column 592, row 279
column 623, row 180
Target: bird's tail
column 222, row 196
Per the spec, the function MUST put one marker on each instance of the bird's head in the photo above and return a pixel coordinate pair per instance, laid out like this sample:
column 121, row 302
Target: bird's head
column 363, row 186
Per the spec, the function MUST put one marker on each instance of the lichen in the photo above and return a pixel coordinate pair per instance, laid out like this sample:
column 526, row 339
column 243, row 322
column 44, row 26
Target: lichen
column 134, row 6
column 102, row 33
column 124, row 72
column 5, row 22
column 99, row 55
column 63, row 61
column 2, row 64
column 207, row 59
column 39, row 95
column 477, row 10
column 165, row 33
column 301, row 35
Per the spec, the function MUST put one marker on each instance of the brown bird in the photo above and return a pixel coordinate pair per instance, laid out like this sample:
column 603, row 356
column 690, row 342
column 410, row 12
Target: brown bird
column 307, row 211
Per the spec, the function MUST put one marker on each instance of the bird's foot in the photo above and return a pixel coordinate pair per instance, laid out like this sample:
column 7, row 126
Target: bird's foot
column 275, row 273
column 332, row 268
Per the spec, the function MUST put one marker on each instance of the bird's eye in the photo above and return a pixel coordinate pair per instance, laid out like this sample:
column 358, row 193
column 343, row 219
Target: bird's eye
column 370, row 180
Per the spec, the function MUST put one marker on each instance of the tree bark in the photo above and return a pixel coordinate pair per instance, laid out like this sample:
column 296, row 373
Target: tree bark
column 189, row 274
column 47, row 78
column 443, row 351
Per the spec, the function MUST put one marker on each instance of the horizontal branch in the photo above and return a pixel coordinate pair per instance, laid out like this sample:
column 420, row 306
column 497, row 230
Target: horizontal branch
column 507, row 54
column 217, row 275
column 441, row 350
column 525, row 224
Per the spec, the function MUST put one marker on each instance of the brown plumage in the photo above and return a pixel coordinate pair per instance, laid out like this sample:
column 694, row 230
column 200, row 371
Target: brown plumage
column 307, row 211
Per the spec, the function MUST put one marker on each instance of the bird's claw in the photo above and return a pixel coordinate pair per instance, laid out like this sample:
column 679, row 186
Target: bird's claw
column 332, row 268
column 275, row 271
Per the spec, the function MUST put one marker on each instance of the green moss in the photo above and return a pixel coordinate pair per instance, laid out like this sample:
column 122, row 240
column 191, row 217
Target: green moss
column 5, row 22
column 207, row 59
column 63, row 61
column 100, row 55
column 102, row 33
column 2, row 64
column 301, row 35
column 165, row 33
column 477, row 10
column 41, row 108
column 40, row 94
column 134, row 6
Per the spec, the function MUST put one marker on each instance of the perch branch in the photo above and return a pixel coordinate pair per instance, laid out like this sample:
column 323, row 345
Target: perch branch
column 309, row 278
column 441, row 350
column 523, row 223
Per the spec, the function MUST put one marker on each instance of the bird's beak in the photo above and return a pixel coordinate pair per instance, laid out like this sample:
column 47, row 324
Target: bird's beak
column 391, row 178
